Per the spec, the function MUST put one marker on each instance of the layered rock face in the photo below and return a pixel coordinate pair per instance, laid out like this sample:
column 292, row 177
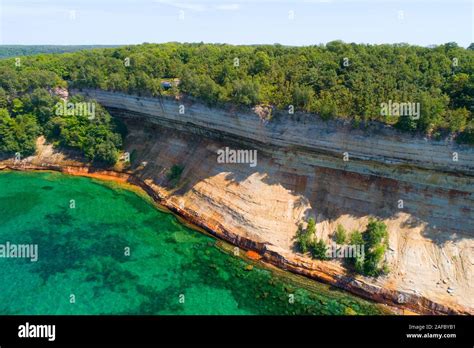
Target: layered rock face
column 306, row 167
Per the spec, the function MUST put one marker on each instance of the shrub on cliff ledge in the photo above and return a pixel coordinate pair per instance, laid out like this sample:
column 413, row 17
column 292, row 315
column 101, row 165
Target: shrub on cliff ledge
column 340, row 235
column 174, row 174
column 307, row 241
column 302, row 240
column 319, row 250
column 304, row 237
column 358, row 261
column 376, row 243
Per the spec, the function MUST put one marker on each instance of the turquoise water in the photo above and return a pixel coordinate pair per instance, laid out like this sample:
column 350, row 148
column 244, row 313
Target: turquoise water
column 171, row 269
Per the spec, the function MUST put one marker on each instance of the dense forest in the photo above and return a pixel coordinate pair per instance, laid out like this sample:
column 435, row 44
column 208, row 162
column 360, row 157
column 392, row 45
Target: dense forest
column 29, row 108
column 7, row 51
column 336, row 80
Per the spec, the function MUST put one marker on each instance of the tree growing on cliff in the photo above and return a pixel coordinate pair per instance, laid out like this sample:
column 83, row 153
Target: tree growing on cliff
column 311, row 227
column 375, row 243
column 319, row 250
column 174, row 174
column 302, row 240
column 305, row 236
column 340, row 235
column 358, row 261
column 307, row 241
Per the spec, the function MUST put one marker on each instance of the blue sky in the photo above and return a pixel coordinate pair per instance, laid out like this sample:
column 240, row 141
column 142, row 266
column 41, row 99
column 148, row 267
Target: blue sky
column 289, row 22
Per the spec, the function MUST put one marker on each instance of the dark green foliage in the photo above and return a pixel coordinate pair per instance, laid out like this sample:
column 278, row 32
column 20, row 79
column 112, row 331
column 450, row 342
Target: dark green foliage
column 457, row 119
column 306, row 241
column 376, row 238
column 340, row 235
column 356, row 238
column 375, row 242
column 468, row 135
column 174, row 174
column 319, row 250
column 303, row 240
column 305, row 237
column 311, row 227
column 34, row 112
column 375, row 233
column 18, row 134
column 201, row 86
column 357, row 262
column 26, row 50
column 246, row 92
column 96, row 136
column 3, row 99
column 261, row 64
column 40, row 103
column 372, row 261
column 407, row 124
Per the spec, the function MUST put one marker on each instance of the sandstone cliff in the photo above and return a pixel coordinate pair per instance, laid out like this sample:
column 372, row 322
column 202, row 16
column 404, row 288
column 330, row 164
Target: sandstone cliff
column 300, row 173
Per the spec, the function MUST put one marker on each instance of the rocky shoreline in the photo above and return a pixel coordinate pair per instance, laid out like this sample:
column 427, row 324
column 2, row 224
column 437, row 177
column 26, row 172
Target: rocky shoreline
column 401, row 302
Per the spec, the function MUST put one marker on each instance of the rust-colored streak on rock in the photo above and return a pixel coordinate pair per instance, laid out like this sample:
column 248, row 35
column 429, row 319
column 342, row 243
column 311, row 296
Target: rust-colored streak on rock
column 253, row 255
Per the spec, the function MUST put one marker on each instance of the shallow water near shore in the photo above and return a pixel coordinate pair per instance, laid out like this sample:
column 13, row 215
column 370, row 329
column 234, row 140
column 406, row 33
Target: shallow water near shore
column 84, row 229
